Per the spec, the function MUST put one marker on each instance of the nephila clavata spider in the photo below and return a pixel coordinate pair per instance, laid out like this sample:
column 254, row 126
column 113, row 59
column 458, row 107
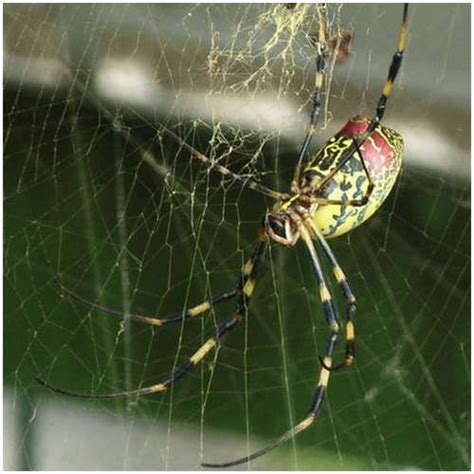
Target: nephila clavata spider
column 332, row 192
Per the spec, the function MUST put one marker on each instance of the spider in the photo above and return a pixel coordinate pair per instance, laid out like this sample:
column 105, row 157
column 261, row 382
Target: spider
column 332, row 192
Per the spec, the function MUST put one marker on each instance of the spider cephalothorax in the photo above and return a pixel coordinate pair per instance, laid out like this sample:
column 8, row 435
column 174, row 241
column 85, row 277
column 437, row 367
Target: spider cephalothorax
column 283, row 223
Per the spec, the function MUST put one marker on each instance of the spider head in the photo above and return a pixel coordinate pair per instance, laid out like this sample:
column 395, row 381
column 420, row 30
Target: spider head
column 280, row 228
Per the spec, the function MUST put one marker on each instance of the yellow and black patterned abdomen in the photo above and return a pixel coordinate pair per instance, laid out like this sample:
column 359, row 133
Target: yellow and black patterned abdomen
column 382, row 154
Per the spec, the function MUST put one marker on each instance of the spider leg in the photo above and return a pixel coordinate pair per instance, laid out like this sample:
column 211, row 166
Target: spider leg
column 355, row 148
column 351, row 202
column 325, row 372
column 321, row 62
column 194, row 311
column 314, row 197
column 348, row 295
column 370, row 186
column 244, row 180
column 393, row 69
column 315, row 407
column 248, row 280
column 380, row 110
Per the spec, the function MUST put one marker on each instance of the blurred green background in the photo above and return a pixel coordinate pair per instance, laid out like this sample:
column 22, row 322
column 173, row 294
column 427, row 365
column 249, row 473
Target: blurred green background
column 93, row 194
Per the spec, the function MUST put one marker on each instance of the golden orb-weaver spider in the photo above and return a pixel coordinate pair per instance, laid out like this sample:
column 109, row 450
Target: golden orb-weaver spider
column 331, row 193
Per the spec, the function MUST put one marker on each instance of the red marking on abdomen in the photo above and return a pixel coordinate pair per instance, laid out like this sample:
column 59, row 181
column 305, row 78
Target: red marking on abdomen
column 377, row 152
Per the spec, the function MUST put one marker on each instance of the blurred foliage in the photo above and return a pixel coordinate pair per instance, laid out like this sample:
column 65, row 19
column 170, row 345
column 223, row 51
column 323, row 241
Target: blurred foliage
column 405, row 402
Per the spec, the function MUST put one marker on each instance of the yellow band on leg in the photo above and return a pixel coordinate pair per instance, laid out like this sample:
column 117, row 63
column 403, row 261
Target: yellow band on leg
column 202, row 351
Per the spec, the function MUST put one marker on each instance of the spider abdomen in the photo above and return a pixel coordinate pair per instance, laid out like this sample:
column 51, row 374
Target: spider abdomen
column 382, row 155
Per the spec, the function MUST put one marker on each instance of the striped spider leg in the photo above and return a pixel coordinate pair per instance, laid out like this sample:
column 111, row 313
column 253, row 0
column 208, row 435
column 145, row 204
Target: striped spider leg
column 346, row 161
column 202, row 308
column 331, row 194
column 244, row 291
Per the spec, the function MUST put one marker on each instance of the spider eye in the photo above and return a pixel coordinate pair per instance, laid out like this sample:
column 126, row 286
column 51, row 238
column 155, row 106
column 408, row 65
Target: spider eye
column 277, row 225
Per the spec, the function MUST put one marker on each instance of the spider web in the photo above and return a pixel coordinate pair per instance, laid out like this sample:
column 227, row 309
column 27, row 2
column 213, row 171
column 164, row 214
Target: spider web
column 97, row 196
